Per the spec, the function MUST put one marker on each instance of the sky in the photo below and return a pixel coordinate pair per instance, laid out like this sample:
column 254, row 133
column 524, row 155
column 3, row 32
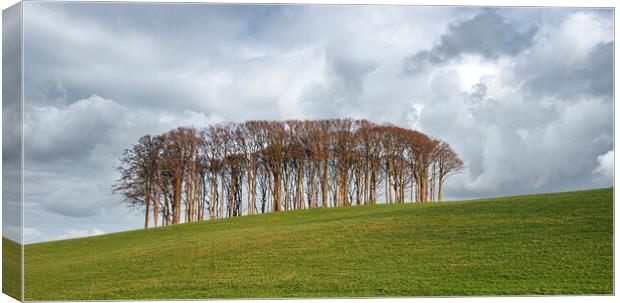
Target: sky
column 523, row 95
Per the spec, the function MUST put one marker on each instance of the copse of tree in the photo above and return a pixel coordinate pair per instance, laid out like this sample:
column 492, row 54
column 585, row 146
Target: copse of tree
column 231, row 169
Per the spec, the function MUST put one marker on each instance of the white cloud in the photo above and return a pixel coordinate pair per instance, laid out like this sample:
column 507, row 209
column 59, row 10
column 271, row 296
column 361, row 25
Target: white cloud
column 32, row 234
column 15, row 233
column 79, row 233
column 580, row 32
column 605, row 168
column 12, row 232
column 472, row 69
column 185, row 118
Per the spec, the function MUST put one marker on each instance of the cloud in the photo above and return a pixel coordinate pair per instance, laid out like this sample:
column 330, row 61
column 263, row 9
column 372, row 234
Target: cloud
column 15, row 233
column 12, row 232
column 185, row 118
column 77, row 199
column 605, row 168
column 585, row 68
column 512, row 144
column 514, row 139
column 571, row 78
column 487, row 35
column 489, row 82
column 11, row 192
column 11, row 80
column 73, row 150
column 71, row 131
column 344, row 75
column 33, row 235
column 79, row 233
column 518, row 158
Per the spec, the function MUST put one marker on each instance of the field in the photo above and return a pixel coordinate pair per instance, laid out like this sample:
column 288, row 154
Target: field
column 527, row 245
column 11, row 268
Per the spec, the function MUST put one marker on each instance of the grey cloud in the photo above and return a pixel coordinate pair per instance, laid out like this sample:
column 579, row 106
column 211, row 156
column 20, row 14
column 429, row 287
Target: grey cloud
column 513, row 146
column 11, row 83
column 11, row 123
column 143, row 63
column 73, row 198
column 486, row 34
column 70, row 132
column 478, row 94
column 591, row 75
column 543, row 123
column 73, row 150
column 351, row 73
column 518, row 147
column 340, row 93
column 280, row 62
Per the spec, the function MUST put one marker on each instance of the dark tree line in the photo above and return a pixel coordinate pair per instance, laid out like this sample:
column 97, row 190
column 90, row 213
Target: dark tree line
column 231, row 169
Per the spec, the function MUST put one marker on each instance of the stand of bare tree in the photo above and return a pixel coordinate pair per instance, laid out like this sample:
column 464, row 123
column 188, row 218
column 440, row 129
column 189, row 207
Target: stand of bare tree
column 230, row 169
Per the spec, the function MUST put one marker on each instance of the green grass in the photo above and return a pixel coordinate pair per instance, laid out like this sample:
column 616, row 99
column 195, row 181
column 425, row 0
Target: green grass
column 528, row 245
column 11, row 268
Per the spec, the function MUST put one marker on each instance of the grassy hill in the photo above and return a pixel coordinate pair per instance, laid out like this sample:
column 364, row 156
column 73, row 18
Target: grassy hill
column 541, row 244
column 11, row 268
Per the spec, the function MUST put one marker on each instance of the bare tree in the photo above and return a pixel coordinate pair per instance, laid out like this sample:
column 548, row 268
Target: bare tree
column 284, row 165
column 139, row 168
column 448, row 163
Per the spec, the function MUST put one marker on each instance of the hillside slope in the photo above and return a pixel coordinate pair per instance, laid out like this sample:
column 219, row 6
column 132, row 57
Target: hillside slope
column 11, row 268
column 542, row 244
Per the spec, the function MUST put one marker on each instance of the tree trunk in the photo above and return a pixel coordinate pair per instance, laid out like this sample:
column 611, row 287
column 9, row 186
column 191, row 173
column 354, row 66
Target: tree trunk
column 312, row 187
column 358, row 183
column 213, row 204
column 439, row 192
column 178, row 181
column 148, row 205
column 286, row 189
column 387, row 182
column 254, row 189
column 300, row 187
column 222, row 197
column 156, row 209
column 277, row 192
column 324, row 190
column 250, row 191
